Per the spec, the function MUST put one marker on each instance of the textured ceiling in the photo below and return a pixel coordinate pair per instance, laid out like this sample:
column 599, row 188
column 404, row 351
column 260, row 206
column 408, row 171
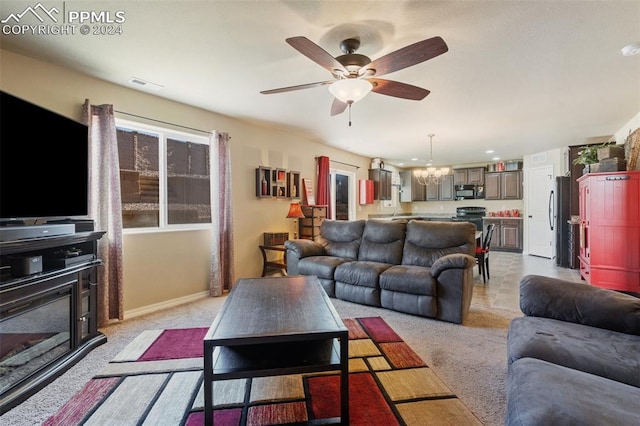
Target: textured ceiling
column 520, row 77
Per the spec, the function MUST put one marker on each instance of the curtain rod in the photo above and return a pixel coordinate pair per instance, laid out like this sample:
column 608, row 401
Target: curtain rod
column 340, row 162
column 165, row 122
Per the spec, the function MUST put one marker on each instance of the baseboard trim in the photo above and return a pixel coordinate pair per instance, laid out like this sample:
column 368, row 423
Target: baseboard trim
column 164, row 305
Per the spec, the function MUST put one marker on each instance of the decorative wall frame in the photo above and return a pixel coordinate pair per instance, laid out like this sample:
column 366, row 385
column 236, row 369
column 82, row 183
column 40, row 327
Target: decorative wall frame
column 277, row 183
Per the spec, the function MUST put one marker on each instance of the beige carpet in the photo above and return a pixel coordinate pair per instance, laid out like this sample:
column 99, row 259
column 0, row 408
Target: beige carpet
column 470, row 359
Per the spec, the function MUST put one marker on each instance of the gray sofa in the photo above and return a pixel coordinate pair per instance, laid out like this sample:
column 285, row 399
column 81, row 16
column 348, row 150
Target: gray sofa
column 417, row 267
column 574, row 358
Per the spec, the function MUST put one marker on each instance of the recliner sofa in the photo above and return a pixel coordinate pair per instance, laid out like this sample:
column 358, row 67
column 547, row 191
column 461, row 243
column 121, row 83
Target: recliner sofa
column 417, row 267
column 574, row 357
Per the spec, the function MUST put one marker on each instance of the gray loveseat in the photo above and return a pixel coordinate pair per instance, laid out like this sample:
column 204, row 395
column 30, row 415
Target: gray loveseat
column 574, row 358
column 417, row 267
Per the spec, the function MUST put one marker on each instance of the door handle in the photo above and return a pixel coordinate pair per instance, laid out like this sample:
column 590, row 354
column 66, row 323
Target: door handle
column 551, row 210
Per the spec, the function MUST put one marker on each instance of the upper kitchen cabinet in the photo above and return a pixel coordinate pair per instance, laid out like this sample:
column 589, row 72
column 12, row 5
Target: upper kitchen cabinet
column 503, row 185
column 469, row 176
column 441, row 190
column 381, row 183
column 414, row 191
column 410, row 189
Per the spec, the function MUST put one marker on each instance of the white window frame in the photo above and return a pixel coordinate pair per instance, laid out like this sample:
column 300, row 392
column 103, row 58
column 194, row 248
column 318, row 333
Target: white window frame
column 164, row 134
column 352, row 191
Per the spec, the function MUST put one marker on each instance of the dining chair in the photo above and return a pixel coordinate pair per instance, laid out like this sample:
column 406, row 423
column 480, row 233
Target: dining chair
column 482, row 254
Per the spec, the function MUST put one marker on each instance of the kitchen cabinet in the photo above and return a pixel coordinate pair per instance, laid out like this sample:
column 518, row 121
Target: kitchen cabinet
column 507, row 234
column 433, row 191
column 469, row 176
column 503, row 185
column 441, row 191
column 381, row 183
column 413, row 191
column 410, row 189
column 447, row 192
column 609, row 235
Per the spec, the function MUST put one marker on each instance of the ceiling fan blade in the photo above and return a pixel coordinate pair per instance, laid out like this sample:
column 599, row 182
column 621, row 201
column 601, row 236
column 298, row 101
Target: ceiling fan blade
column 316, row 53
column 397, row 89
column 298, row 87
column 408, row 56
column 337, row 107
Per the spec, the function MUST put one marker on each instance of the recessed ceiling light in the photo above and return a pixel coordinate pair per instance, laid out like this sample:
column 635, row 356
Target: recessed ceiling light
column 414, row 159
column 146, row 84
column 631, row 49
column 495, row 158
column 489, row 151
column 400, row 164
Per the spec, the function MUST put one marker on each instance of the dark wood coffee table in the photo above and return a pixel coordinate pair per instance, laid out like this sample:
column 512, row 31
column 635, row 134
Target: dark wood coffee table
column 276, row 326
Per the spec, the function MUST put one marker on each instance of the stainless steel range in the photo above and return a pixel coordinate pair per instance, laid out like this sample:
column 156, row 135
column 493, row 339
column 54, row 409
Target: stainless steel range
column 470, row 214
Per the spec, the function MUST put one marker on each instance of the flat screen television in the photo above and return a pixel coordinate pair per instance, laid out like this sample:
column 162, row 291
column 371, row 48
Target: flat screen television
column 44, row 163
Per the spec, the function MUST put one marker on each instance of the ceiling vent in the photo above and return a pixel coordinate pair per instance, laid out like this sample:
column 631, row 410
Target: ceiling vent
column 146, row 84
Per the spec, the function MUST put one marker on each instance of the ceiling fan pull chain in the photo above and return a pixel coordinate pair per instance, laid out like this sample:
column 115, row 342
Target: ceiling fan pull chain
column 350, row 114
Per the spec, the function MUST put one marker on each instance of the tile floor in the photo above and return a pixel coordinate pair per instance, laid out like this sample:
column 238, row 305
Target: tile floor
column 501, row 291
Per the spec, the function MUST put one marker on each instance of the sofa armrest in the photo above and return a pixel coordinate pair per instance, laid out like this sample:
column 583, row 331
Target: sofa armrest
column 451, row 261
column 299, row 249
column 579, row 303
column 304, row 248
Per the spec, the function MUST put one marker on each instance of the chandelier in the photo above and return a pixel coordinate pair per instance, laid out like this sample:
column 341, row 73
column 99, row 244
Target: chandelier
column 430, row 175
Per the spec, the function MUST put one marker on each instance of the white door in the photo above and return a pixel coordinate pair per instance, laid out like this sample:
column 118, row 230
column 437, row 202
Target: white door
column 539, row 184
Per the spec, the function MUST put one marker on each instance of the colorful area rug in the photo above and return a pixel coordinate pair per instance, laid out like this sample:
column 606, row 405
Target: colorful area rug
column 157, row 380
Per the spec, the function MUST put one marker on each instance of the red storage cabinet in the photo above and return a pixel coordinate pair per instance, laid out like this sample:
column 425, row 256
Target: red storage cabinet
column 610, row 230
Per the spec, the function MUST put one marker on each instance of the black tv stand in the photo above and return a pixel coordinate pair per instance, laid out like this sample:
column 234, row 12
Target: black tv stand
column 57, row 305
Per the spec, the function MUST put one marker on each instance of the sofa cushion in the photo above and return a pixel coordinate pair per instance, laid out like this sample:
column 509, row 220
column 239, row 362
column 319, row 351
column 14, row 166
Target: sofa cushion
column 541, row 393
column 382, row 241
column 341, row 238
column 415, row 304
column 606, row 353
column 365, row 274
column 408, row 279
column 425, row 241
column 320, row 266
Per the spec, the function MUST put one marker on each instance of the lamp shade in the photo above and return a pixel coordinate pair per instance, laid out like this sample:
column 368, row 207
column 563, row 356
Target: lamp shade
column 295, row 211
column 350, row 90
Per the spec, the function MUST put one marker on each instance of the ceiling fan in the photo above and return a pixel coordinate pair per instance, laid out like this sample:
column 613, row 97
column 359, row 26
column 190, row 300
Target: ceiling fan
column 355, row 75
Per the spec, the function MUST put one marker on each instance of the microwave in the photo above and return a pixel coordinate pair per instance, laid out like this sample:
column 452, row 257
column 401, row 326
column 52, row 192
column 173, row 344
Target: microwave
column 469, row 192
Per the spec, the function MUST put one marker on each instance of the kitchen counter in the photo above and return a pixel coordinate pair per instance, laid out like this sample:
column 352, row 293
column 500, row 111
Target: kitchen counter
column 409, row 216
column 503, row 217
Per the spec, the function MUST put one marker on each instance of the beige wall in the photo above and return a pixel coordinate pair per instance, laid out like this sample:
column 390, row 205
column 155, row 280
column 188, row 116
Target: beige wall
column 160, row 267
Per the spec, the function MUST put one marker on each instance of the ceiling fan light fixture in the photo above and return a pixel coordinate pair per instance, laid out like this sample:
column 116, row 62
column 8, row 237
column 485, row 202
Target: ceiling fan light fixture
column 631, row 49
column 350, row 90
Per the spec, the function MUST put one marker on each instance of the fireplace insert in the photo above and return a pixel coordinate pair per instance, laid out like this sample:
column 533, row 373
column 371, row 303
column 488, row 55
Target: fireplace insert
column 33, row 333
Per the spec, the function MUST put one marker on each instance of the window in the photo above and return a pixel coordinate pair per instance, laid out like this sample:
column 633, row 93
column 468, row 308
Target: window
column 164, row 177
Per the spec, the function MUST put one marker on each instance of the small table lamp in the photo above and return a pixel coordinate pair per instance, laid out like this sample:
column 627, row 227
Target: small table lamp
column 295, row 212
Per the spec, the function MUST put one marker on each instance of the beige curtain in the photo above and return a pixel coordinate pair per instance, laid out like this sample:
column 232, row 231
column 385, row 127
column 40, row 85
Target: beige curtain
column 105, row 208
column 221, row 276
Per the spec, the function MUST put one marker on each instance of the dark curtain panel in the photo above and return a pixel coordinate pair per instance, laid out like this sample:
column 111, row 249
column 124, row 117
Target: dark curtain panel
column 105, row 208
column 221, row 276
